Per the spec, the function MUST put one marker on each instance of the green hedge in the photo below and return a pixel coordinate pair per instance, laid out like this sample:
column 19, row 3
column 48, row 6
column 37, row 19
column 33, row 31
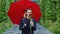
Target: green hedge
column 51, row 15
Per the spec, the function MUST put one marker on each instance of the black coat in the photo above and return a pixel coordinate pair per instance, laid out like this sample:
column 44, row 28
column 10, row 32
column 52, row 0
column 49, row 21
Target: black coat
column 27, row 29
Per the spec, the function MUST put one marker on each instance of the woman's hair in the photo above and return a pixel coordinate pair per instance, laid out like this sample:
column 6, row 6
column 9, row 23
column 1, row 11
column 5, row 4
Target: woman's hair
column 27, row 9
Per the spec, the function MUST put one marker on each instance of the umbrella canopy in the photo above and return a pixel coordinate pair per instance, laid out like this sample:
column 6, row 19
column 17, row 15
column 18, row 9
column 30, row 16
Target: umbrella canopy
column 17, row 9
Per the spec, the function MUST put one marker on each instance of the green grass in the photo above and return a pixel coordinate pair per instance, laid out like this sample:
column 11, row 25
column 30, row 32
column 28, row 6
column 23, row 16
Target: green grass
column 4, row 26
column 52, row 26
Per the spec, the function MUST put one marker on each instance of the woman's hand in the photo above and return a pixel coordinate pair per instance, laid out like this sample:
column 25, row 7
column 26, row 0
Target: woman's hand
column 24, row 25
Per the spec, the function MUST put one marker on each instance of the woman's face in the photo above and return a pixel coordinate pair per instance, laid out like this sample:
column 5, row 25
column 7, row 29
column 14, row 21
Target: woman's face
column 29, row 13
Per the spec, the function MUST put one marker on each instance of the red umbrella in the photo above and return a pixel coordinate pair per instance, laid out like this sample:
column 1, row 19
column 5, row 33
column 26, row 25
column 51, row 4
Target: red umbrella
column 16, row 10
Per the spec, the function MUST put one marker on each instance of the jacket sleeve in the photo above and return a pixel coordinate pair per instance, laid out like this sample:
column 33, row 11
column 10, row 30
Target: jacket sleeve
column 34, row 27
column 21, row 25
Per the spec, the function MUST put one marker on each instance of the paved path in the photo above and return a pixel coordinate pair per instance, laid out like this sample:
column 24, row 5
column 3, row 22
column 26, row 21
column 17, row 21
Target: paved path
column 40, row 30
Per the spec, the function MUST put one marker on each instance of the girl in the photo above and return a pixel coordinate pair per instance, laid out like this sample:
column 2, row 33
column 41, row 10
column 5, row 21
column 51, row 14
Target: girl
column 28, row 24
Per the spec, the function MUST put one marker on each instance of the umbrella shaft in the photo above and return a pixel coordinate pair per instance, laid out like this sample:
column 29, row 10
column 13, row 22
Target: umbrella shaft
column 30, row 29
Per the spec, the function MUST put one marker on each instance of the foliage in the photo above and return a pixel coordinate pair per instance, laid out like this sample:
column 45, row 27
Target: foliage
column 5, row 23
column 51, row 15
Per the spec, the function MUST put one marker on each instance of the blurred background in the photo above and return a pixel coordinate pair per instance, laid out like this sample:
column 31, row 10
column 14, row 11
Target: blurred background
column 50, row 15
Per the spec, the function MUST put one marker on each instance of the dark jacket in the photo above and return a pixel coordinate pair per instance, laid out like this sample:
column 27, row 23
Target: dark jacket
column 27, row 29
